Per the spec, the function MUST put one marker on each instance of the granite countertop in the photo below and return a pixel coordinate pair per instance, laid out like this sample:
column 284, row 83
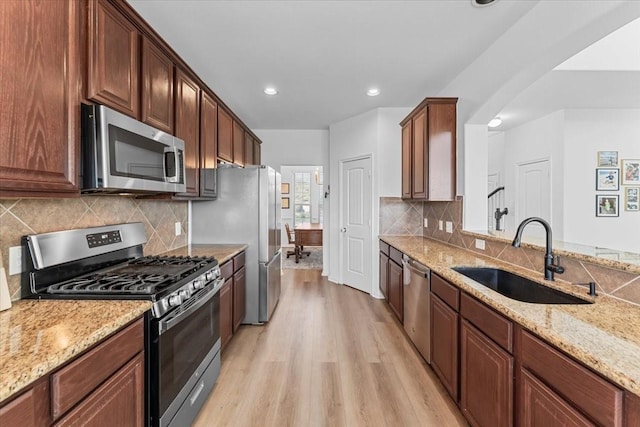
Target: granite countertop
column 37, row 336
column 221, row 252
column 604, row 335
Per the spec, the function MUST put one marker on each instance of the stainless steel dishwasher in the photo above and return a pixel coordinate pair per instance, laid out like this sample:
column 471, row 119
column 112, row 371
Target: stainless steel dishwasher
column 417, row 301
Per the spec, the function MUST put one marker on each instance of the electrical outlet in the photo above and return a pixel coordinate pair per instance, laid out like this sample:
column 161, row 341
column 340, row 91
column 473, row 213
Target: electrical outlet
column 178, row 229
column 480, row 244
column 449, row 227
column 426, row 222
column 15, row 260
column 440, row 225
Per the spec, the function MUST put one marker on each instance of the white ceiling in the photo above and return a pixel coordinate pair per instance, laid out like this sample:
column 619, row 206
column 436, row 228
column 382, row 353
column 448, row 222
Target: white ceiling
column 323, row 55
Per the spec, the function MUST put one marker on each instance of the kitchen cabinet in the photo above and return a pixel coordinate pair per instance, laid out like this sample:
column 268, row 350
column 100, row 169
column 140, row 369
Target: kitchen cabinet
column 226, row 312
column 553, row 384
column 257, row 159
column 39, row 112
column 225, row 136
column 632, row 410
column 238, row 144
column 239, row 297
column 103, row 386
column 248, row 149
column 395, row 278
column 384, row 270
column 232, row 297
column 429, row 151
column 157, row 87
column 444, row 333
column 208, row 132
column 113, row 59
column 188, row 129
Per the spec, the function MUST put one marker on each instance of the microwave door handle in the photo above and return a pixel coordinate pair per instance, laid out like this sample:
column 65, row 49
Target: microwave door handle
column 170, row 153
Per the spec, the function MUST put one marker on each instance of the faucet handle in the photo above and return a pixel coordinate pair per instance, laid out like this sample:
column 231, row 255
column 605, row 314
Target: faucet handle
column 555, row 265
column 592, row 288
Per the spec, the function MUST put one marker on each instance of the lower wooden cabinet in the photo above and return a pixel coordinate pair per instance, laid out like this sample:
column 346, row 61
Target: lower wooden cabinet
column 102, row 387
column 444, row 344
column 395, row 289
column 226, row 312
column 232, row 297
column 632, row 410
column 486, row 379
column 239, row 297
column 384, row 275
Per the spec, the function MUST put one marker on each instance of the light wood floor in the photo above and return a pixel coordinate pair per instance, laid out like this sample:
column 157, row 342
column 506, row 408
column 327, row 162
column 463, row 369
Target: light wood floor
column 331, row 356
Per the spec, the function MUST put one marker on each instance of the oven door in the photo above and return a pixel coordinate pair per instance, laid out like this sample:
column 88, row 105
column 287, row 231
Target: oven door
column 184, row 345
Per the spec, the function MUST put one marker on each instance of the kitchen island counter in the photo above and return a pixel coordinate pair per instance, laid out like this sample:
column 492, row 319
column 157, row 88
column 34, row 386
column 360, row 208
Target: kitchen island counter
column 604, row 336
column 38, row 336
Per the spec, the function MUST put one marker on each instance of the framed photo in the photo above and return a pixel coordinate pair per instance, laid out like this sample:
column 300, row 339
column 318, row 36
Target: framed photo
column 631, row 171
column 632, row 199
column 607, row 179
column 607, row 205
column 607, row 159
column 285, row 202
column 284, row 188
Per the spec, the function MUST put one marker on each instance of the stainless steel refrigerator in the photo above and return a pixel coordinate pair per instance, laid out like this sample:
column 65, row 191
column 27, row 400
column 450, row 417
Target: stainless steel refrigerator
column 247, row 211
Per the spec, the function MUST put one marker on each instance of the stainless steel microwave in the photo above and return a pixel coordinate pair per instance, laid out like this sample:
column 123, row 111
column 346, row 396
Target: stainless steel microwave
column 122, row 155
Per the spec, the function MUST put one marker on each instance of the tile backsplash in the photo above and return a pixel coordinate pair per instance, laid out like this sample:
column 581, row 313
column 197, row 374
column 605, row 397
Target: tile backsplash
column 19, row 217
column 398, row 217
column 617, row 283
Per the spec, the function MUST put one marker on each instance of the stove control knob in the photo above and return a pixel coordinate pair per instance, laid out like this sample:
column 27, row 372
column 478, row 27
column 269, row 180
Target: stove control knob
column 209, row 275
column 197, row 284
column 185, row 294
column 175, row 300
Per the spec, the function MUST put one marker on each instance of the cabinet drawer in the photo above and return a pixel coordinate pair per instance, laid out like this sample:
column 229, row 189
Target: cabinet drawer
column 238, row 262
column 226, row 269
column 446, row 291
column 488, row 321
column 75, row 381
column 593, row 395
column 384, row 248
column 395, row 255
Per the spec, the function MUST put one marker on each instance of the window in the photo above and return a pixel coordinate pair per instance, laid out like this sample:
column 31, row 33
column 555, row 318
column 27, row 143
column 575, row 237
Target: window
column 302, row 198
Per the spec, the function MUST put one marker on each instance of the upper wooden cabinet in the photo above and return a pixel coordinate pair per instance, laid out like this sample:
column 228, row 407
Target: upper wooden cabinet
column 208, row 132
column 248, row 149
column 39, row 112
column 113, row 59
column 238, row 144
column 429, row 151
column 225, row 136
column 157, row 87
column 257, row 152
column 188, row 129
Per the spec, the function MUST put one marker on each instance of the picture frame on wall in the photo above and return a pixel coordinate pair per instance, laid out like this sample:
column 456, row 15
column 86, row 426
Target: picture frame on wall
column 607, row 159
column 607, row 205
column 632, row 199
column 607, row 179
column 285, row 203
column 631, row 172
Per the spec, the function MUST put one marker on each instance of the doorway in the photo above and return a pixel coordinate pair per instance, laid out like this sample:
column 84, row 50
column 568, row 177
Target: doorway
column 355, row 223
column 534, row 183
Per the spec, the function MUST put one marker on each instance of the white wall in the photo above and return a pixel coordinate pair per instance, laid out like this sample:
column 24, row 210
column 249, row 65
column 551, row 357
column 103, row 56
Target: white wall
column 300, row 147
column 389, row 166
column 586, row 133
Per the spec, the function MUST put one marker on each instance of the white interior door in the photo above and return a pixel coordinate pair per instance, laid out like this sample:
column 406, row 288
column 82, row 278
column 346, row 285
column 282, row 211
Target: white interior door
column 355, row 228
column 534, row 182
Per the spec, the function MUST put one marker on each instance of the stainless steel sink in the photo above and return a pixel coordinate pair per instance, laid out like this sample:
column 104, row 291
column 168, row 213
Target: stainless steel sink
column 518, row 287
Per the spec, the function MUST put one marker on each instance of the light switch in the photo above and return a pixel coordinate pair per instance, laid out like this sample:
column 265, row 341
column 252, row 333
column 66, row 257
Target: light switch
column 426, row 222
column 15, row 260
column 449, row 227
column 178, row 229
column 440, row 225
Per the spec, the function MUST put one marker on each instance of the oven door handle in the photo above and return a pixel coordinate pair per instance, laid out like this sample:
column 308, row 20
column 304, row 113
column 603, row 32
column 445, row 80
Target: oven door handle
column 177, row 316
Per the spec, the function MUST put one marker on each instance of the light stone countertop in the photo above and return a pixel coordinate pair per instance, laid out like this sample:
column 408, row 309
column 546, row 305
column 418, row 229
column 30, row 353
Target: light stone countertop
column 38, row 336
column 604, row 336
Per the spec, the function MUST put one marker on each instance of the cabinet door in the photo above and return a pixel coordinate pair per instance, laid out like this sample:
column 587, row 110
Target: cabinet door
column 113, row 61
column 442, row 151
column 395, row 289
column 225, row 136
column 632, row 410
column 117, row 402
column 238, row 144
column 420, row 161
column 188, row 129
column 444, row 344
column 30, row 409
column 486, row 386
column 384, row 275
column 39, row 115
column 541, row 407
column 208, row 132
column 157, row 87
column 407, row 135
column 248, row 150
column 226, row 311
column 256, row 152
column 239, row 297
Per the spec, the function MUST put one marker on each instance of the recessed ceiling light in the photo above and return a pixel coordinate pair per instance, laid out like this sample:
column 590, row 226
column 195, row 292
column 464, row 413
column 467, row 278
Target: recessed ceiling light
column 494, row 123
column 481, row 3
column 271, row 91
column 373, row 92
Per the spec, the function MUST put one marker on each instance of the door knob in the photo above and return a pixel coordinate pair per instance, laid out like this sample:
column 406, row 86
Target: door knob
column 343, row 230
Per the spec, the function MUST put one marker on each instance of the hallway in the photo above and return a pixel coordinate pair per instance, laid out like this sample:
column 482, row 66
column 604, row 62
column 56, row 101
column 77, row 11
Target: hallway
column 331, row 356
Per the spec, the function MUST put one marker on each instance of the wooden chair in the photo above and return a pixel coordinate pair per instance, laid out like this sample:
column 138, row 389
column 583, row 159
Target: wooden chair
column 298, row 250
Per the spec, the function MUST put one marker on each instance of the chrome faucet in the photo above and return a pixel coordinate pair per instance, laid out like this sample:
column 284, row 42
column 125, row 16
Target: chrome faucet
column 549, row 266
